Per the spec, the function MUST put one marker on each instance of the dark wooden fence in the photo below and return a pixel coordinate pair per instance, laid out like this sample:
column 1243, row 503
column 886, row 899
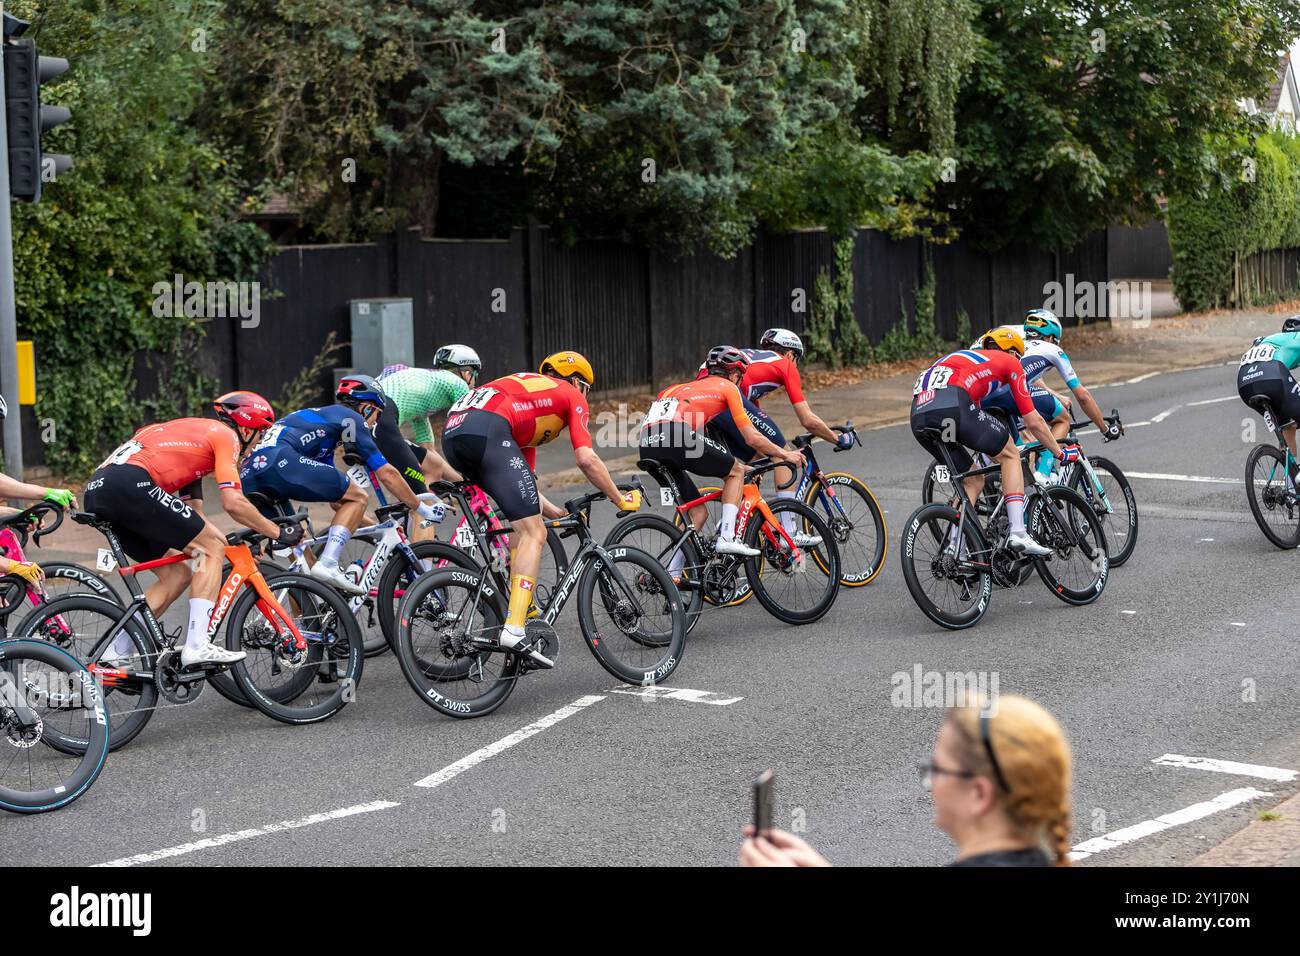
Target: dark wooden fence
column 1139, row 252
column 641, row 317
column 1266, row 277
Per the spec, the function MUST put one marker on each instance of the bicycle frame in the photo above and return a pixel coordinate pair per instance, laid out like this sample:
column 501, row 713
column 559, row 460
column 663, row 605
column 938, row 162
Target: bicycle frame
column 751, row 500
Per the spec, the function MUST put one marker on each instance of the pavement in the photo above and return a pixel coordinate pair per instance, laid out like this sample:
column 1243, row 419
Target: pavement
column 1177, row 690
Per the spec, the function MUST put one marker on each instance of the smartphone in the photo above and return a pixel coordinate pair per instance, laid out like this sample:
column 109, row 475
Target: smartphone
column 763, row 802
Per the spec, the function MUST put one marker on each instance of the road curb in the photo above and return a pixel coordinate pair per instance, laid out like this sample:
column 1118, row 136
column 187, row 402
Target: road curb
column 1273, row 842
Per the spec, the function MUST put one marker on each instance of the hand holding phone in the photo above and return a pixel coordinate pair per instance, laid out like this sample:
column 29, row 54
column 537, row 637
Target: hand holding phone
column 763, row 799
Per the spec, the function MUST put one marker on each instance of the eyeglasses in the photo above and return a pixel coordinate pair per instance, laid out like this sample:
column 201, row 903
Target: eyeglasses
column 928, row 771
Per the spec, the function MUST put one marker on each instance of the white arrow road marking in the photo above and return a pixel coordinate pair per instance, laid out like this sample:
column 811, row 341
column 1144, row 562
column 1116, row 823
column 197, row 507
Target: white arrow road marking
column 677, row 693
column 1159, row 476
column 505, row 743
column 1197, row 811
column 1157, row 419
column 1279, row 774
column 237, row 836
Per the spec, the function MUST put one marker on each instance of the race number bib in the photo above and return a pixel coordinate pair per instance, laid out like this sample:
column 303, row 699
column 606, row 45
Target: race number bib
column 360, row 476
column 270, row 438
column 474, row 400
column 666, row 497
column 661, row 411
column 123, row 452
column 464, row 537
column 1263, row 352
column 932, row 378
column 941, row 474
column 104, row 560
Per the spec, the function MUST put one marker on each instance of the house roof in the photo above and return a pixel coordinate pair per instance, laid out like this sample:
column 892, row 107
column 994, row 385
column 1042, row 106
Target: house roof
column 1285, row 76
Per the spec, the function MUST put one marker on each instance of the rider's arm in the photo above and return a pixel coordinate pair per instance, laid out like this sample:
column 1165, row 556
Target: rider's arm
column 812, row 422
column 1025, row 406
column 242, row 510
column 753, row 438
column 13, row 488
column 1038, row 428
column 594, row 469
column 550, row 509
column 396, row 485
column 1089, row 406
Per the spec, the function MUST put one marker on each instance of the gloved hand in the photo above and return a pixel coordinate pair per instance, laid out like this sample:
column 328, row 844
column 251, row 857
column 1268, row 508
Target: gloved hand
column 290, row 535
column 29, row 571
column 434, row 513
column 845, row 440
column 1069, row 453
column 60, row 496
column 630, row 501
column 1112, row 431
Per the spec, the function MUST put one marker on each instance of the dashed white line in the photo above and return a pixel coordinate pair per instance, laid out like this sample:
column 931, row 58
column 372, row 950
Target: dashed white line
column 1211, row 401
column 677, row 693
column 239, row 835
column 1280, row 774
column 1128, row 612
column 505, row 743
column 1140, row 378
column 1237, row 623
column 1198, row 811
column 1157, row 419
column 1160, row 476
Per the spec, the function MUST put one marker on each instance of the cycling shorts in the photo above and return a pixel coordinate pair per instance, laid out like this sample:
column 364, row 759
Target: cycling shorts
column 731, row 437
column 951, row 411
column 482, row 448
column 680, row 449
column 403, row 455
column 282, row 474
column 1045, row 403
column 147, row 520
column 1272, row 383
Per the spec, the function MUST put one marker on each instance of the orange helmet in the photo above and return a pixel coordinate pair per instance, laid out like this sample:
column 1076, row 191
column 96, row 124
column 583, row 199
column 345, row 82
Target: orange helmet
column 566, row 365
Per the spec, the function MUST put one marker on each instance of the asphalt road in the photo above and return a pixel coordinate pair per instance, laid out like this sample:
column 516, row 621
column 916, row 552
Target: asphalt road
column 1164, row 663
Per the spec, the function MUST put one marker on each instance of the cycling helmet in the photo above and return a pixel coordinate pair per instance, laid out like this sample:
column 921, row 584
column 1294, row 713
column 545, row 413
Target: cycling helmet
column 354, row 390
column 566, row 365
column 457, row 357
column 1042, row 323
column 724, row 359
column 1005, row 337
column 1292, row 324
column 244, row 410
column 781, row 339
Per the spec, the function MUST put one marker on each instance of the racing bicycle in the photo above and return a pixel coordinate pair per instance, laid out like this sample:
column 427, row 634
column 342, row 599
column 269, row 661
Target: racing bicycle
column 1274, row 500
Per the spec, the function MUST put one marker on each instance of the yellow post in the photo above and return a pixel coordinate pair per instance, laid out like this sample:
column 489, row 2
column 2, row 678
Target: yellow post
column 26, row 373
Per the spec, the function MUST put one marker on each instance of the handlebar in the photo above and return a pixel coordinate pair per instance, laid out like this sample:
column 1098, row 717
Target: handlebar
column 578, row 507
column 254, row 538
column 801, row 442
column 21, row 523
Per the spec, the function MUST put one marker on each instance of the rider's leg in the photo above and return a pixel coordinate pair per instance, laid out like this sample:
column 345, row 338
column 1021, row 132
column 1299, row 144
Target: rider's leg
column 1013, row 495
column 731, row 488
column 530, row 538
column 172, row 581
column 1060, row 425
column 208, row 548
column 349, row 510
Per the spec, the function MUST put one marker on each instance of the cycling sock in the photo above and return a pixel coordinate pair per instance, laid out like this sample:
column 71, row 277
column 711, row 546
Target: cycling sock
column 677, row 562
column 1016, row 514
column 121, row 647
column 727, row 526
column 334, row 544
column 200, row 616
column 1045, row 464
column 787, row 517
column 521, row 598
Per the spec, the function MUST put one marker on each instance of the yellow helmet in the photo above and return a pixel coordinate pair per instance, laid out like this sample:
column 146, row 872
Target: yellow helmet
column 566, row 364
column 1008, row 338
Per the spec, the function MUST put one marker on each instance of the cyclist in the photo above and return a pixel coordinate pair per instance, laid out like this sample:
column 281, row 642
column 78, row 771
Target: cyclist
column 675, row 434
column 1265, row 373
column 295, row 462
column 773, row 365
column 948, row 398
column 491, row 438
column 29, row 571
column 144, row 489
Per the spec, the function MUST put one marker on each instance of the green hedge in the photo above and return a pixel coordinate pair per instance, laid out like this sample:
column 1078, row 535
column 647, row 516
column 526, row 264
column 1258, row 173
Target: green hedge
column 1251, row 204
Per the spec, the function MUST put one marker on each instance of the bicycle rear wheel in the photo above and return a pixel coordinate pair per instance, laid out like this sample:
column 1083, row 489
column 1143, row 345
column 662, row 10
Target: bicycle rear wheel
column 45, row 689
column 1077, row 570
column 297, row 687
column 709, row 532
column 632, row 617
column 942, row 578
column 63, row 578
column 1275, row 506
column 657, row 536
column 858, row 524
column 793, row 588
column 1113, row 504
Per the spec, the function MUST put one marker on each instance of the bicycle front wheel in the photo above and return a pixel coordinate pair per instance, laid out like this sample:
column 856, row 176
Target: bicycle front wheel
column 797, row 584
column 1276, row 508
column 1078, row 567
column 632, row 616
column 43, row 687
column 951, row 584
column 856, row 521
column 658, row 537
column 1113, row 504
column 291, row 686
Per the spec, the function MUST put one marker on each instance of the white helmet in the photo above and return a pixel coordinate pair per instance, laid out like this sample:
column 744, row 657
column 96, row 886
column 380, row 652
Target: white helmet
column 457, row 357
column 782, row 339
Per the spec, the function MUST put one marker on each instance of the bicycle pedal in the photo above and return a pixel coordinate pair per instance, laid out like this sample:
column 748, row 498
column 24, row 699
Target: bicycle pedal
column 542, row 637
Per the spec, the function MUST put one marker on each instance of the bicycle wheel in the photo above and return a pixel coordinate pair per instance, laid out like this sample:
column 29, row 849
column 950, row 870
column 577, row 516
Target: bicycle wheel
column 945, row 584
column 398, row 576
column 439, row 619
column 78, row 624
column 937, row 487
column 709, row 532
column 1113, row 504
column 223, row 682
column 657, row 536
column 792, row 588
column 63, row 578
column 555, row 564
column 1077, row 570
column 636, row 628
column 1276, row 508
column 44, row 689
column 290, row 686
column 855, row 519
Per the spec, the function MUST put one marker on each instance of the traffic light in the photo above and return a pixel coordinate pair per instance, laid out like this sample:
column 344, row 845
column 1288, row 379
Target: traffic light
column 26, row 117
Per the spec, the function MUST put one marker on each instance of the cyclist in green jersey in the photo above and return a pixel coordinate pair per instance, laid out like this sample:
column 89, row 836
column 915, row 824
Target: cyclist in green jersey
column 1265, row 382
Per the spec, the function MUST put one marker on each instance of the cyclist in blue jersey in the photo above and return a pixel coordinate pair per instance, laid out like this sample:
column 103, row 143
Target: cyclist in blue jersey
column 295, row 462
column 1264, row 379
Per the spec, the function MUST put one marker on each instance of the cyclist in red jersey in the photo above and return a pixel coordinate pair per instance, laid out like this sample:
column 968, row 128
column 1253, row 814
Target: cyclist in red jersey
column 491, row 438
column 675, row 434
column 946, row 403
column 143, row 490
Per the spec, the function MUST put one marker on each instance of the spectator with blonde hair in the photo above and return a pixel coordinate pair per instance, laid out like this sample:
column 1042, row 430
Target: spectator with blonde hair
column 1000, row 780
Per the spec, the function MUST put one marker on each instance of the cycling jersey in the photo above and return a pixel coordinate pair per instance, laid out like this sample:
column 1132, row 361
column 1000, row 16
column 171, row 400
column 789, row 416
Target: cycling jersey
column 1264, row 378
column 696, row 403
column 1281, row 347
column 537, row 407
column 978, row 372
column 183, row 451
column 1042, row 355
column 316, row 432
column 767, row 371
column 419, row 393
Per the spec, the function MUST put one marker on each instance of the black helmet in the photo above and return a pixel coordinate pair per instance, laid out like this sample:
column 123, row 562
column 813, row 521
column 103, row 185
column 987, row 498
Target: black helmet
column 357, row 389
column 724, row 359
column 1292, row 324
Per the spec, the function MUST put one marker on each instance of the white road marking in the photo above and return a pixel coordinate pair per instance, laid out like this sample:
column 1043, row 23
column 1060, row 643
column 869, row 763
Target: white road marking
column 1280, row 774
column 505, row 743
column 1140, row 378
column 1157, row 419
column 1211, row 401
column 239, row 835
column 676, row 693
column 1160, row 476
column 1128, row 612
column 1128, row 425
column 1198, row 811
column 1237, row 623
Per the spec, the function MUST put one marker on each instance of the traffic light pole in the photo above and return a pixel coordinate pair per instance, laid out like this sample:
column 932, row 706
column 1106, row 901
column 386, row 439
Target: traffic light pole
column 13, row 429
